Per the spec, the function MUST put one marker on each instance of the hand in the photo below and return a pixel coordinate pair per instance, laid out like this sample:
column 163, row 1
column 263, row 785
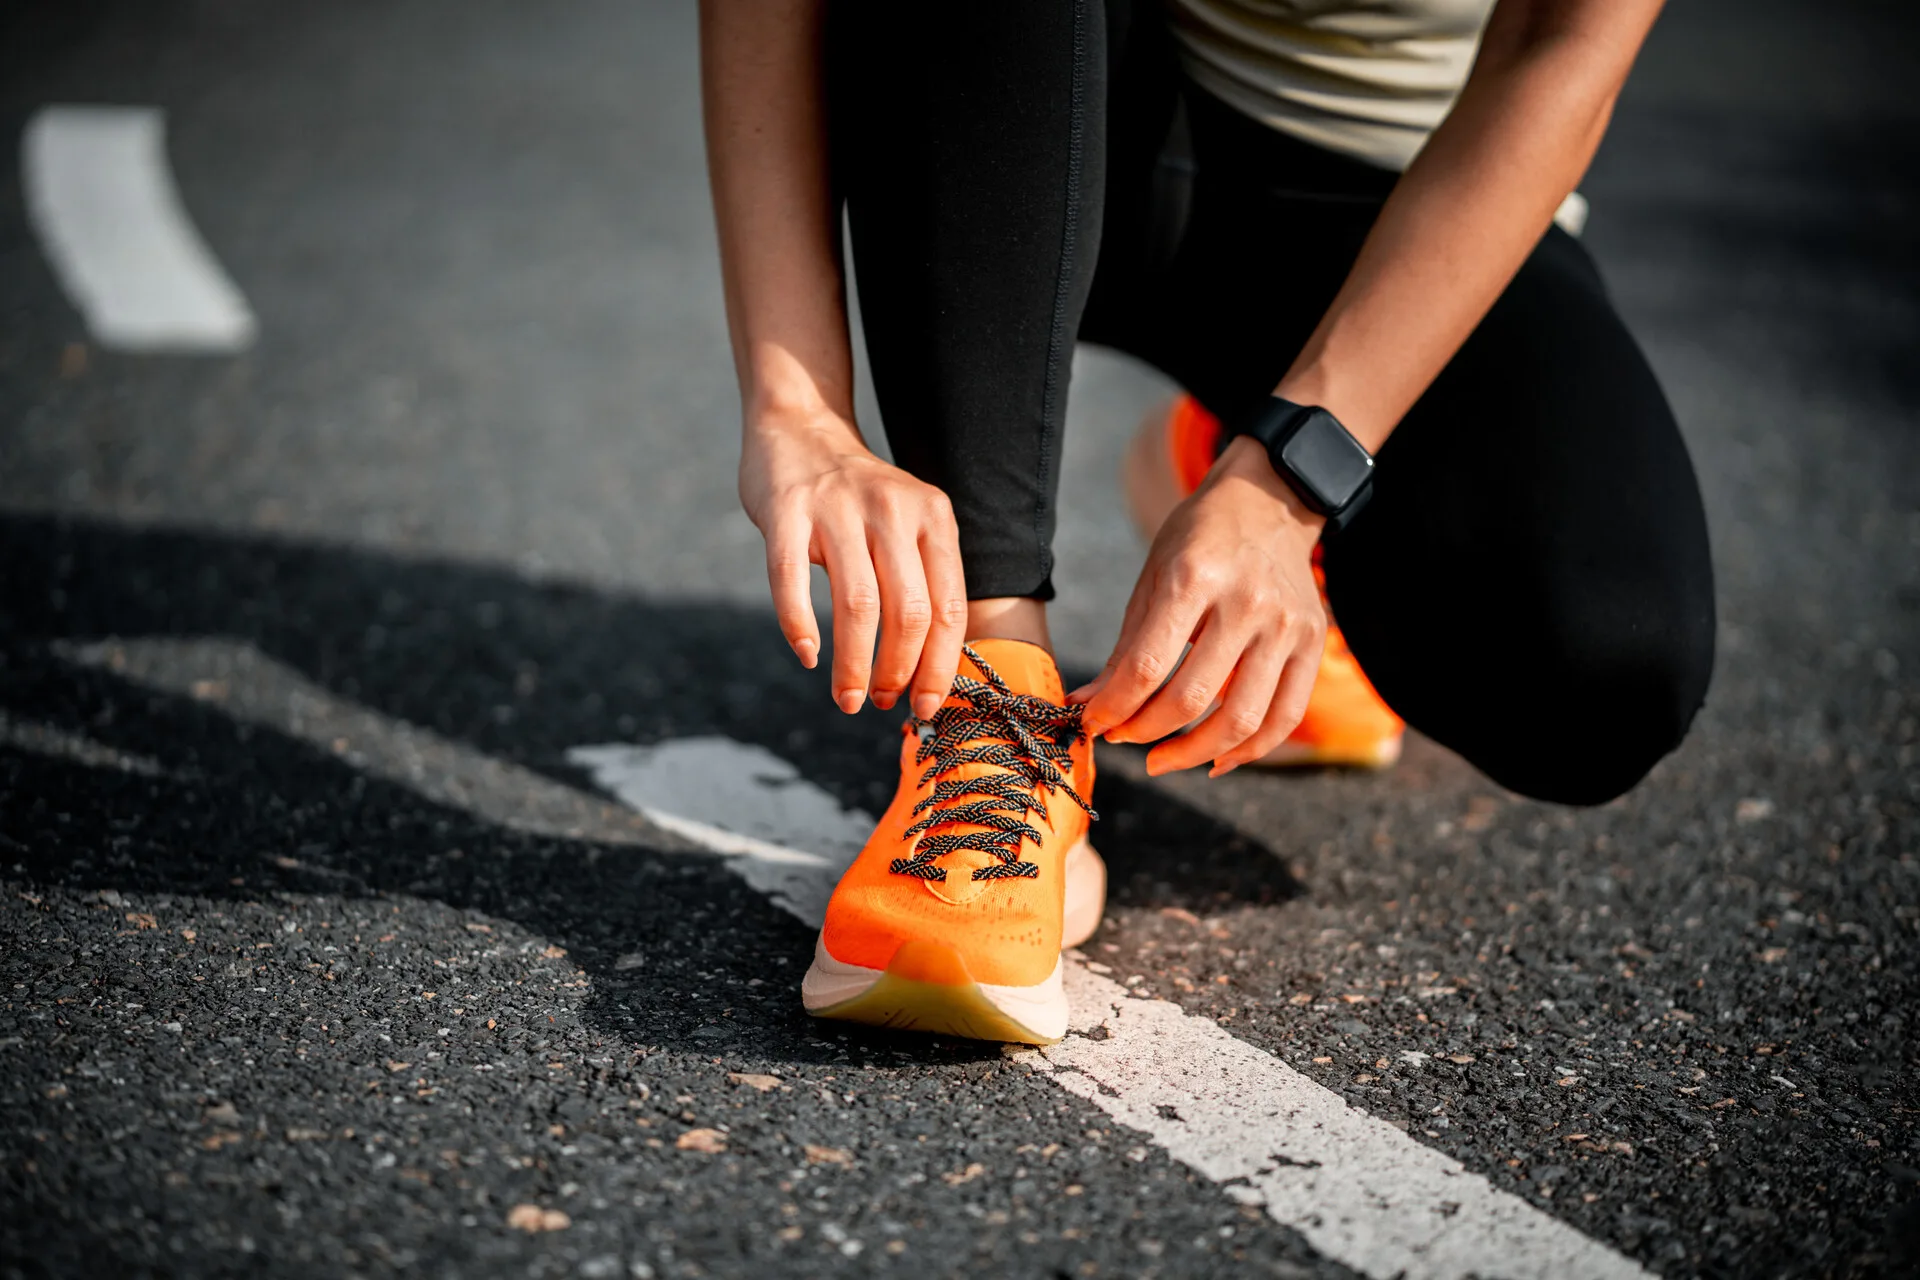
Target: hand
column 1231, row 572
column 890, row 548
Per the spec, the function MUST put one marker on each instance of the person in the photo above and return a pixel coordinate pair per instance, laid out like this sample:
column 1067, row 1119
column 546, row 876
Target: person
column 1331, row 222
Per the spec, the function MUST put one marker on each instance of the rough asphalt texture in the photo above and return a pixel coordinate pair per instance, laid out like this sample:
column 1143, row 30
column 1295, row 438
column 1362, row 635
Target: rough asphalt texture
column 265, row 1015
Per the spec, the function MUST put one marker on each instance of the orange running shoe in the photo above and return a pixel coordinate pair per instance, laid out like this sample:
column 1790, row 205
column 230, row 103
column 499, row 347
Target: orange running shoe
column 953, row 916
column 1346, row 723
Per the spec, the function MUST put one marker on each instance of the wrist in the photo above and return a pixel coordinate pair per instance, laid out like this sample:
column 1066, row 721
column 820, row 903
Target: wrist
column 1244, row 462
column 811, row 426
column 780, row 389
column 782, row 447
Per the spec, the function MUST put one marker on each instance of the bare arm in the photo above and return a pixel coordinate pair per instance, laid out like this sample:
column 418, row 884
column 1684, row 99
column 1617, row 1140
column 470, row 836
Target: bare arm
column 1471, row 207
column 765, row 114
column 1228, row 571
column 807, row 479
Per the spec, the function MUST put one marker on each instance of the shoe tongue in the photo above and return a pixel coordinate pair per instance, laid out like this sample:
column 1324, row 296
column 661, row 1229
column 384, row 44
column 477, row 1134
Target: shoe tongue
column 1027, row 668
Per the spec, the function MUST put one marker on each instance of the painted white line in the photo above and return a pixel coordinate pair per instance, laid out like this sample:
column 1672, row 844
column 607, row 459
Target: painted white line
column 103, row 202
column 736, row 798
column 58, row 744
column 1359, row 1190
column 244, row 683
column 239, row 680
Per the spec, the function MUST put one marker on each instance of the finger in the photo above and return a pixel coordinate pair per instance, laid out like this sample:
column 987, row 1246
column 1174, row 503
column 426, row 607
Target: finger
column 1144, row 662
column 905, row 611
column 1137, row 604
column 1283, row 715
column 1243, row 708
column 1185, row 697
column 789, row 573
column 856, row 612
column 947, row 589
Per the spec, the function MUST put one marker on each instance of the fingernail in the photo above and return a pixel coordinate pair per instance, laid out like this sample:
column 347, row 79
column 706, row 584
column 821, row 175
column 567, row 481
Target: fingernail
column 850, row 700
column 925, row 704
column 808, row 652
column 885, row 698
column 1083, row 694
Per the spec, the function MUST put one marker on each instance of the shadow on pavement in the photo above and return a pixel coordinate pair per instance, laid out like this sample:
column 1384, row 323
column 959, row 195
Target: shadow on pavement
column 519, row 670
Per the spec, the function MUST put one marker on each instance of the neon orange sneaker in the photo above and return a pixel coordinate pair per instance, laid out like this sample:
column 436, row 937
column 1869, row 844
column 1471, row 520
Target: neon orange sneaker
column 953, row 916
column 1346, row 723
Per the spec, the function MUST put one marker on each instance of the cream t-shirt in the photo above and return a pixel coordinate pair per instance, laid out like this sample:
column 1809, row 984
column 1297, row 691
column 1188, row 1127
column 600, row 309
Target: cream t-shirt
column 1366, row 78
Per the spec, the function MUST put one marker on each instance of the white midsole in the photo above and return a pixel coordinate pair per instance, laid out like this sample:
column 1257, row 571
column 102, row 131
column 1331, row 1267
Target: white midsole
column 1041, row 1009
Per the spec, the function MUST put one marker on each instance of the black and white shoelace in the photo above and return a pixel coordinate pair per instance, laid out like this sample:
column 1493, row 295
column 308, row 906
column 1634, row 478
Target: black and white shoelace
column 1028, row 739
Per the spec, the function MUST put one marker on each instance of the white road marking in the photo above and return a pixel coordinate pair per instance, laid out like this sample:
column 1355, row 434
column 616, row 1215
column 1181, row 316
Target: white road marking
column 58, row 744
column 736, row 798
column 247, row 685
column 239, row 680
column 103, row 202
column 1359, row 1190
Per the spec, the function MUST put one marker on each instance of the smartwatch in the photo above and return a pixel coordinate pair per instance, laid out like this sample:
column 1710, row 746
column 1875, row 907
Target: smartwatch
column 1317, row 457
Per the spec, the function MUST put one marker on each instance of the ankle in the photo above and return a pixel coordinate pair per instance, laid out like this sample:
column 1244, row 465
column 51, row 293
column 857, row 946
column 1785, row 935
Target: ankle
column 1009, row 618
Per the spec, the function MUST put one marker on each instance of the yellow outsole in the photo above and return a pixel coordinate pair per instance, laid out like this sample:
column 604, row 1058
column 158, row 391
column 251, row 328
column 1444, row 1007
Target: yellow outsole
column 901, row 1004
column 928, row 988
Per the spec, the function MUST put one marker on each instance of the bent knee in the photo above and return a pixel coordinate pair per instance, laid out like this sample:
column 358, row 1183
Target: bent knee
column 1602, row 746
column 1604, row 713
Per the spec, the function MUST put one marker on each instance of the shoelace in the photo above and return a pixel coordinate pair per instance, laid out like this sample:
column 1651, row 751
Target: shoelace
column 1028, row 738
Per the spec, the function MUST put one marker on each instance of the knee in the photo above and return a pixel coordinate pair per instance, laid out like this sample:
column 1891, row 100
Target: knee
column 1607, row 702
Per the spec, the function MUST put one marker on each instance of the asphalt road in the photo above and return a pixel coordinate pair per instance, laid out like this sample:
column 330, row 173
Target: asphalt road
column 269, row 1011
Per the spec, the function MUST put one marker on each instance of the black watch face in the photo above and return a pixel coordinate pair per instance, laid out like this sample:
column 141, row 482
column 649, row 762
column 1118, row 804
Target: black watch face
column 1327, row 460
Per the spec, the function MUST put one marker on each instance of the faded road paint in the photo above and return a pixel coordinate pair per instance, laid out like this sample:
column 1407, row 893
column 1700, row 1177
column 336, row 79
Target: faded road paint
column 109, row 217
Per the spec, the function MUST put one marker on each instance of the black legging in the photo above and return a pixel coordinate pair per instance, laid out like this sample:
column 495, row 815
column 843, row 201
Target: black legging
column 1530, row 584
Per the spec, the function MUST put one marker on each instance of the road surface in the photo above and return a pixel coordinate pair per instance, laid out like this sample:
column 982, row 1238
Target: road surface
column 355, row 917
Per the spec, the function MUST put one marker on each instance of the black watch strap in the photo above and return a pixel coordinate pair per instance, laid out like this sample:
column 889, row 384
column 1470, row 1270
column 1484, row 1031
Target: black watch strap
column 1317, row 457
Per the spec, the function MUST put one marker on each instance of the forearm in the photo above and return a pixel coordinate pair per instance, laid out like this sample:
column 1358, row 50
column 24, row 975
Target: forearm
column 763, row 91
column 1470, row 209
